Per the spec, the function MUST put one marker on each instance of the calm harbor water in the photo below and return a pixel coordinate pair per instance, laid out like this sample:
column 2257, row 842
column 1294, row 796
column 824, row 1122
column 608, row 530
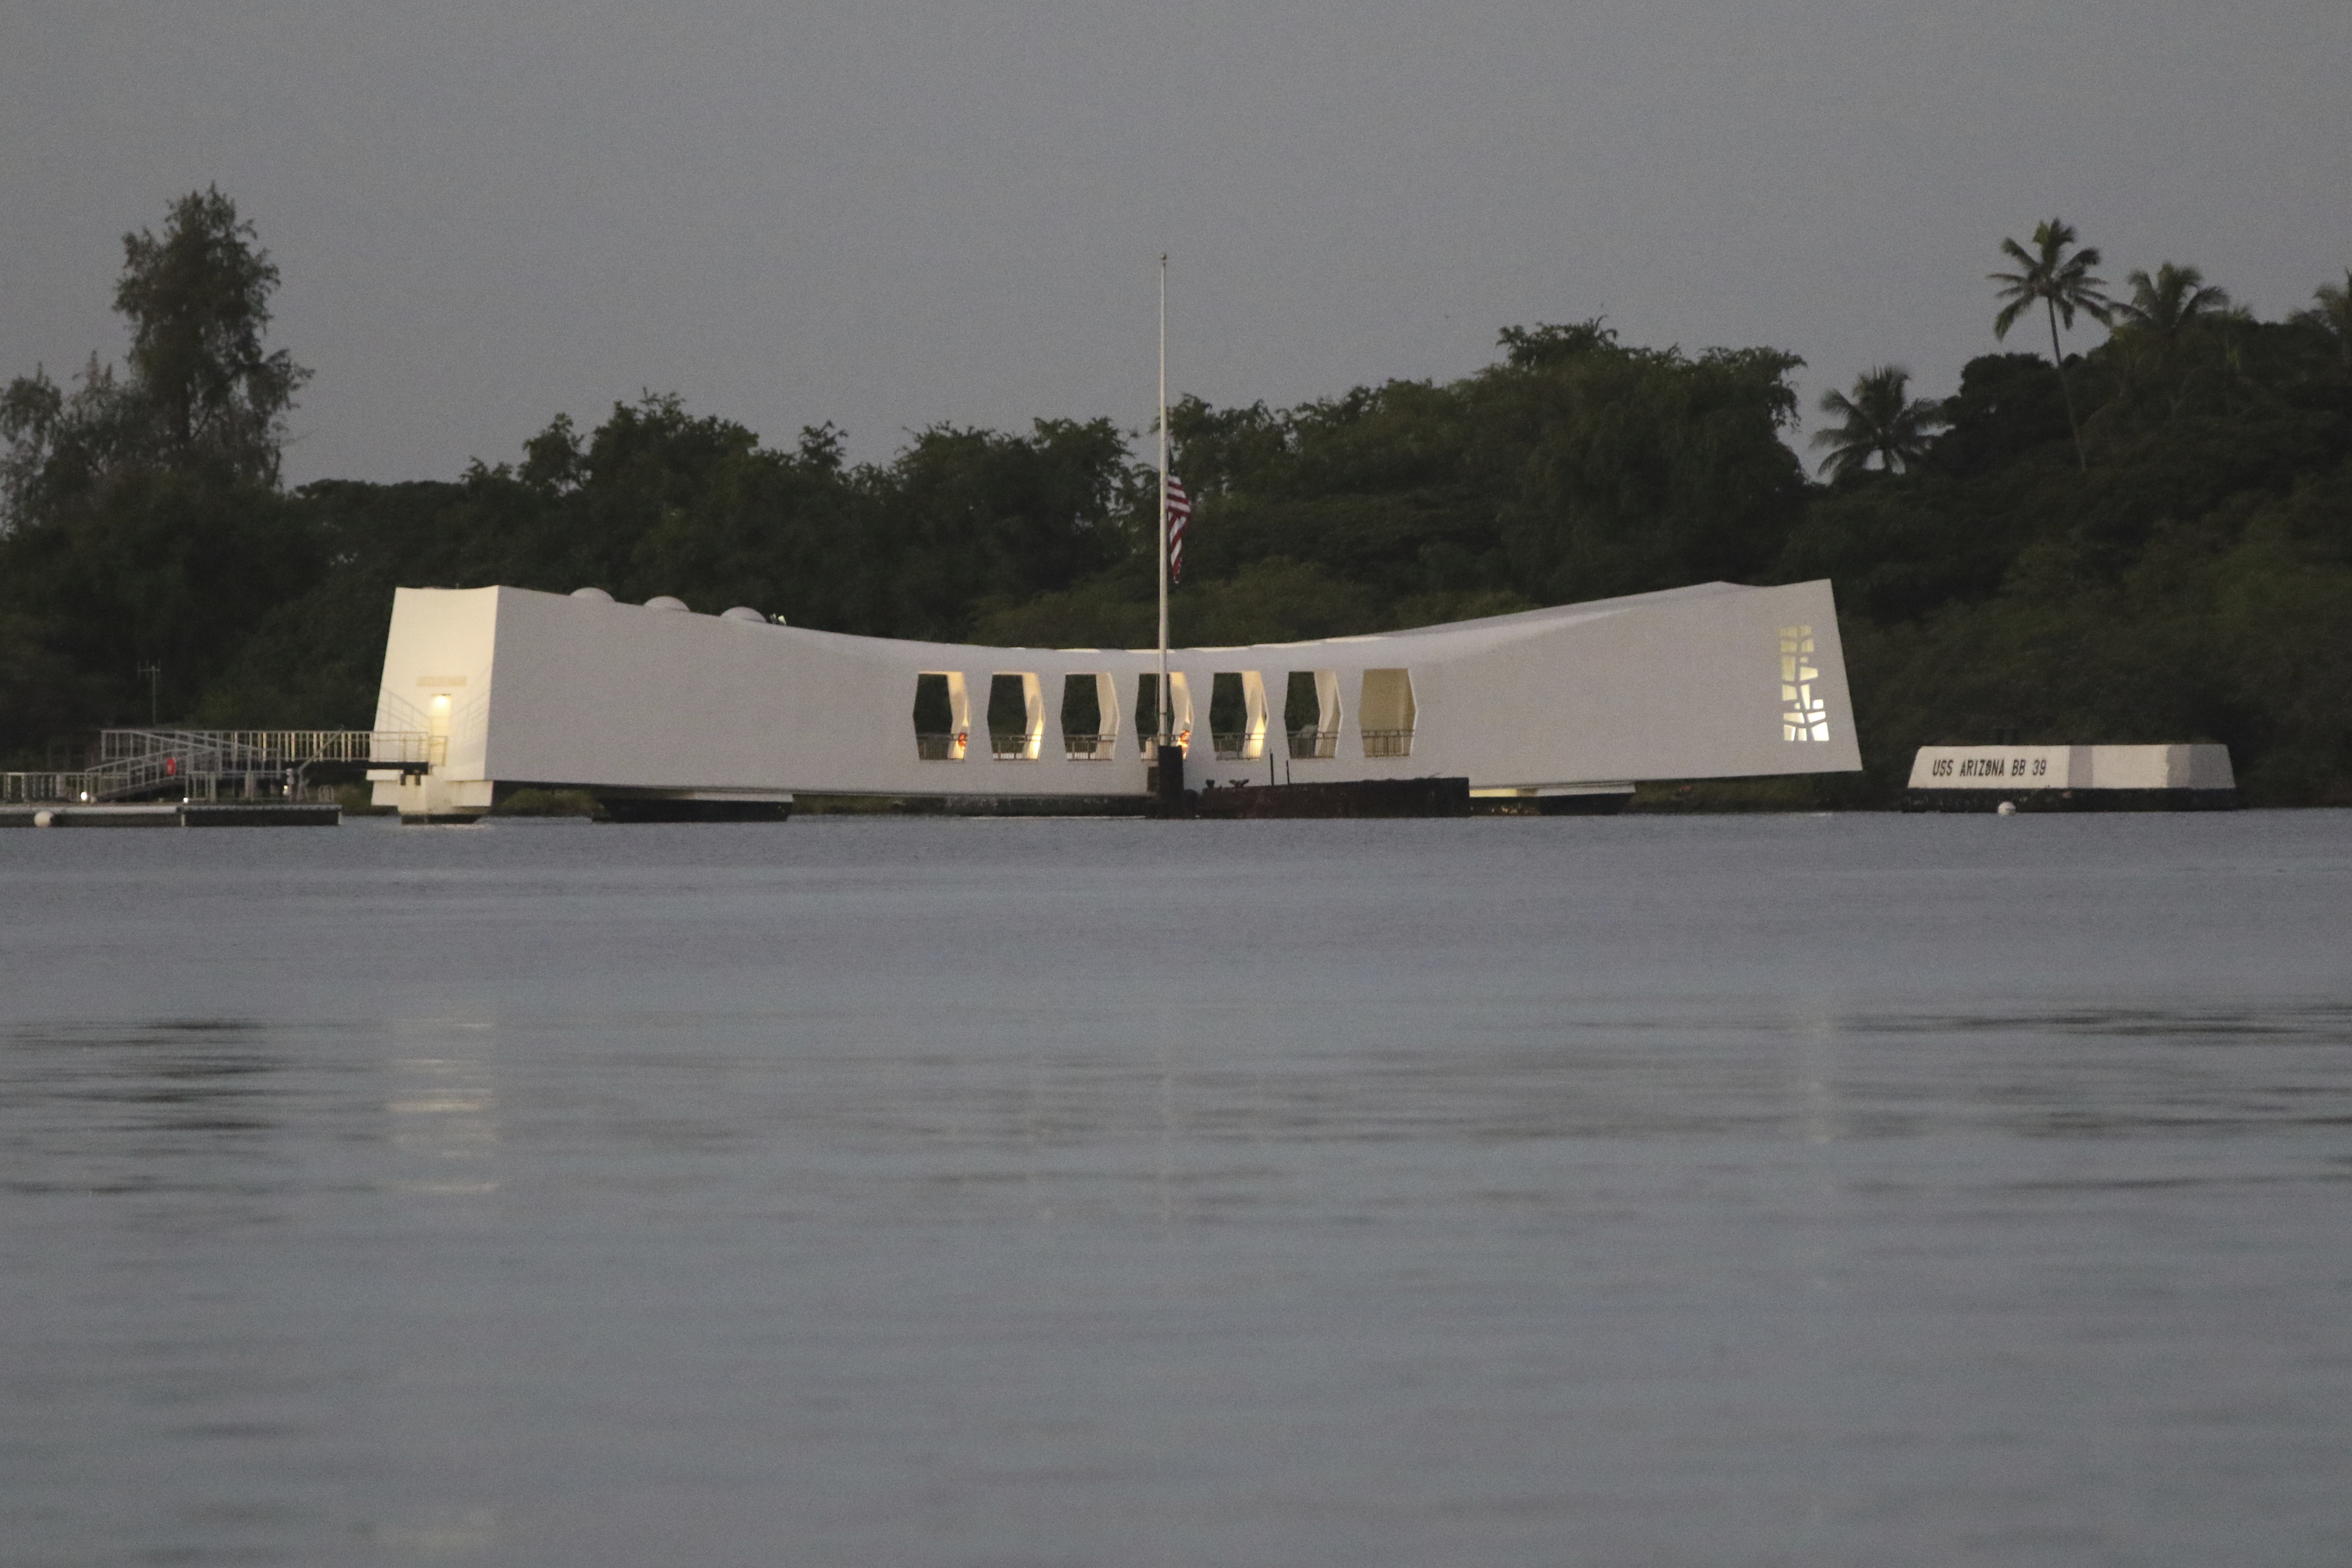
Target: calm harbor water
column 1849, row 1191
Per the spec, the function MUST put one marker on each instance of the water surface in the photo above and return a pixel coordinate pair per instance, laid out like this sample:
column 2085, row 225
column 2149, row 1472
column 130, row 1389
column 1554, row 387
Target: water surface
column 1849, row 1190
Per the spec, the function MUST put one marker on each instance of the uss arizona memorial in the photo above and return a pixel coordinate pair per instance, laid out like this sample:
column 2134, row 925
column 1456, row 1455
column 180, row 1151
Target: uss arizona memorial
column 660, row 710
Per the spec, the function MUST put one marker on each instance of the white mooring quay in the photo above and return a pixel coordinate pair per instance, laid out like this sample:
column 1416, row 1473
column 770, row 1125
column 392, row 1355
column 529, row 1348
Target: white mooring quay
column 654, row 708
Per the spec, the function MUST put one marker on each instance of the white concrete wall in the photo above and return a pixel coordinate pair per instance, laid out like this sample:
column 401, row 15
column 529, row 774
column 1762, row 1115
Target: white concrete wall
column 438, row 661
column 1684, row 684
column 2010, row 768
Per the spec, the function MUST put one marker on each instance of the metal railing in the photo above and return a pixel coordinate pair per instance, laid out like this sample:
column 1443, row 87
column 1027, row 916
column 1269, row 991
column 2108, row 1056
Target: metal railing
column 1233, row 745
column 119, row 779
column 1018, row 746
column 30, row 788
column 134, row 763
column 258, row 750
column 1305, row 744
column 936, row 748
column 1082, row 747
column 1388, row 743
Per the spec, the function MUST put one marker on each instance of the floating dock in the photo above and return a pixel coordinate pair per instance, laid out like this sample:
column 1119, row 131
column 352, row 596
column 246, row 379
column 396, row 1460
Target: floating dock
column 176, row 814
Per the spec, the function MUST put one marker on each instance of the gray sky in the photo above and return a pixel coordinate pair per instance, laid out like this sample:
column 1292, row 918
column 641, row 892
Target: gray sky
column 891, row 215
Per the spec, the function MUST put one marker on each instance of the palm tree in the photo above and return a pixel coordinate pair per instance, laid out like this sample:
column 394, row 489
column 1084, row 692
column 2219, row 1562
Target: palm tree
column 2333, row 314
column 2167, row 304
column 1880, row 422
column 2064, row 285
column 2166, row 350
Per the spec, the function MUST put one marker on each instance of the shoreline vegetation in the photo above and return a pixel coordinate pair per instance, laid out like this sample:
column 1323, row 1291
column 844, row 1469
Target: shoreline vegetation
column 2149, row 539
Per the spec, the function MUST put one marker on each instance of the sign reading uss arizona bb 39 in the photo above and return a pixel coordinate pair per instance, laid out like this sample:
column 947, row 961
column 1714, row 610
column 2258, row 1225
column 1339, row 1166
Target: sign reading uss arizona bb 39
column 2187, row 767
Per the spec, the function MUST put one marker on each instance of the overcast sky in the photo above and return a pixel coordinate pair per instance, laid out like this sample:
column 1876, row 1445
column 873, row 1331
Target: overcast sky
column 890, row 215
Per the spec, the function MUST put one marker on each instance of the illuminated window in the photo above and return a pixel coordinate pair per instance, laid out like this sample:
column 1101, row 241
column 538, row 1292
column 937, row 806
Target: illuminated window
column 1387, row 712
column 1803, row 715
column 1016, row 717
column 1237, row 714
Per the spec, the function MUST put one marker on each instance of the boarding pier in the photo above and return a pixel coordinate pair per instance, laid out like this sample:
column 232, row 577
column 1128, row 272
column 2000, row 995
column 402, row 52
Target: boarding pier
column 206, row 778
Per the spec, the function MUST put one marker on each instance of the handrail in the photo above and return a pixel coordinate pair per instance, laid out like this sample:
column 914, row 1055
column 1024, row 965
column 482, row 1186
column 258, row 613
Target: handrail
column 1307, row 744
column 1388, row 743
column 24, row 788
column 240, row 751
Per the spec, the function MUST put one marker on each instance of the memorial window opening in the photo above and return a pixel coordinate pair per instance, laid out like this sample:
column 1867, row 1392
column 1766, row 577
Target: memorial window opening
column 1016, row 716
column 1089, row 717
column 1386, row 711
column 1147, row 710
column 942, row 717
column 1310, row 713
column 1237, row 717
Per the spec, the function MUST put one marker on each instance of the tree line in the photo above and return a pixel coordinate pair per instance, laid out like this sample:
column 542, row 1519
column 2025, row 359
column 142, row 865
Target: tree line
column 2149, row 538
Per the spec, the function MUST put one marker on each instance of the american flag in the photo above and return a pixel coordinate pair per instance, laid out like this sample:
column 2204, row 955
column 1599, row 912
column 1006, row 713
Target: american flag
column 1180, row 511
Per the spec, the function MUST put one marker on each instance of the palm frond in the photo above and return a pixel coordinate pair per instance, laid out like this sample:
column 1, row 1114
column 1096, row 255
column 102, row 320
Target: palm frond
column 1880, row 422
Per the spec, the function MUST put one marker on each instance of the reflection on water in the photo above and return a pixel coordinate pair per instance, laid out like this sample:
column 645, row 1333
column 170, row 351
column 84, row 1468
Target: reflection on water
column 444, row 1107
column 936, row 1193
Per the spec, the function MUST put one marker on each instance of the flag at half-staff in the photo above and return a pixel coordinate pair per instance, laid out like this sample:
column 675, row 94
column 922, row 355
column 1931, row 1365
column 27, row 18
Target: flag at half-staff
column 1180, row 511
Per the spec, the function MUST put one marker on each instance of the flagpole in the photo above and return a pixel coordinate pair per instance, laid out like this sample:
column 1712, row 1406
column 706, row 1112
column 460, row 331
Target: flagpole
column 1167, row 735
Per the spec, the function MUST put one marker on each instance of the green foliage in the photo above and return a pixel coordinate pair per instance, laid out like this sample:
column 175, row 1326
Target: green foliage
column 2330, row 316
column 142, row 522
column 2052, row 274
column 2057, row 276
column 2010, row 409
column 1645, row 469
column 202, row 397
column 1879, row 420
column 213, row 399
column 61, row 444
column 2235, row 625
column 2193, row 581
column 1578, row 468
column 171, row 570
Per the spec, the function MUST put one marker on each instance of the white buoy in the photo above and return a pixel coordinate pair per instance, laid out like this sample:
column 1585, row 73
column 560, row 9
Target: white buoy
column 2006, row 808
column 45, row 820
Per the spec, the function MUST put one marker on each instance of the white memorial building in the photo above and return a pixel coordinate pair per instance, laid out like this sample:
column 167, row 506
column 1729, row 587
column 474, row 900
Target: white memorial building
column 654, row 703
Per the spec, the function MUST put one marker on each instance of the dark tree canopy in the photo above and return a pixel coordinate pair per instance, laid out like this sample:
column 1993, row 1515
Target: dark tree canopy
column 198, row 304
column 1878, row 419
column 201, row 393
